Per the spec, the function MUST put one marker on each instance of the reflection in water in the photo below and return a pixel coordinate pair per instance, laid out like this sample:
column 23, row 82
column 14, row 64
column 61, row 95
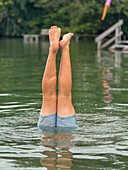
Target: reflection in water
column 117, row 59
column 100, row 142
column 113, row 59
column 117, row 65
column 108, row 62
column 106, row 76
column 56, row 152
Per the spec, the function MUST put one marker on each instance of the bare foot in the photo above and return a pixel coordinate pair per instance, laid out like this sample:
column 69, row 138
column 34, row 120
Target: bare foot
column 66, row 40
column 54, row 36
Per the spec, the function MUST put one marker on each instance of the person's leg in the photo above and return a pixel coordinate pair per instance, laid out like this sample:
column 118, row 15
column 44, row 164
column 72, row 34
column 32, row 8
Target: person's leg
column 49, row 106
column 65, row 107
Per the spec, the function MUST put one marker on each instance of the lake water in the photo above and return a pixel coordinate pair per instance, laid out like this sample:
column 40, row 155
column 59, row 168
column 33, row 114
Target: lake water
column 100, row 98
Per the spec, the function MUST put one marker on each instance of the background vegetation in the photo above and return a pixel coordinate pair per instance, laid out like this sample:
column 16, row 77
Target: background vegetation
column 78, row 16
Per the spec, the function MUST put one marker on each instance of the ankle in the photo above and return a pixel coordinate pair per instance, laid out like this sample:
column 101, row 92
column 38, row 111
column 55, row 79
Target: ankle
column 66, row 47
column 53, row 50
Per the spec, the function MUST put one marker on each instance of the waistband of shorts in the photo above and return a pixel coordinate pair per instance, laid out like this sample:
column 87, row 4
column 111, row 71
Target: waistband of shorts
column 54, row 114
column 68, row 117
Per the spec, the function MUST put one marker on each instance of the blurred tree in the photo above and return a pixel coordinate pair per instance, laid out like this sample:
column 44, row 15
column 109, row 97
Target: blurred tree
column 18, row 17
column 78, row 16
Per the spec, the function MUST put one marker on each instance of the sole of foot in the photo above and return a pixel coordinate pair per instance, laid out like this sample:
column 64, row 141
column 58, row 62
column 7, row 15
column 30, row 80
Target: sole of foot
column 54, row 37
column 66, row 40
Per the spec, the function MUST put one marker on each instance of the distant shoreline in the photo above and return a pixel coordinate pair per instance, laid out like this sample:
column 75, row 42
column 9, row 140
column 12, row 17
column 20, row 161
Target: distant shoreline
column 75, row 35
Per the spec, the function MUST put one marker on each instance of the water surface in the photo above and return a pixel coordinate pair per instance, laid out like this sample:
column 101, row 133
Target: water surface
column 100, row 90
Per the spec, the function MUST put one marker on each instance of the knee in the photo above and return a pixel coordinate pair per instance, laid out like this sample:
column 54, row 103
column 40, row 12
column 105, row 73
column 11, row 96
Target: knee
column 64, row 87
column 49, row 86
column 64, row 82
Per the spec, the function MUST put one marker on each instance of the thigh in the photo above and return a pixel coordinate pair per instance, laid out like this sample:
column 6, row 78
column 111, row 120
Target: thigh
column 48, row 105
column 64, row 106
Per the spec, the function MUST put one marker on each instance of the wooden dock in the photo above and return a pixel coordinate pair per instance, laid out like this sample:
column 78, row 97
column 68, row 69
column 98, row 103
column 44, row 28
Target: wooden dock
column 35, row 37
column 103, row 41
column 31, row 37
column 122, row 45
column 44, row 33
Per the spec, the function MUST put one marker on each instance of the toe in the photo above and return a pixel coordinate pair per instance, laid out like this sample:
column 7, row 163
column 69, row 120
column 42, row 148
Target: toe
column 59, row 29
column 52, row 27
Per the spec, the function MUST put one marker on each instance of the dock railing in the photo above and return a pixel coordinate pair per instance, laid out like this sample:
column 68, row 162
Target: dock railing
column 117, row 37
column 44, row 32
column 31, row 37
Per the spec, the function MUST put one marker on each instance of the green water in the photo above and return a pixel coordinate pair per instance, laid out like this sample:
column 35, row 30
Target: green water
column 100, row 98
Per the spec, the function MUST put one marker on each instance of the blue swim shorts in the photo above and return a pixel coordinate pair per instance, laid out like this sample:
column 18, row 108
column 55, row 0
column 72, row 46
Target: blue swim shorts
column 56, row 121
column 47, row 121
column 69, row 122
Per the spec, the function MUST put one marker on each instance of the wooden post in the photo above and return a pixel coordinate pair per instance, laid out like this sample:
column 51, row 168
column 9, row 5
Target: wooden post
column 77, row 39
column 36, row 38
column 115, row 28
column 99, row 45
column 116, row 35
column 119, row 33
column 31, row 37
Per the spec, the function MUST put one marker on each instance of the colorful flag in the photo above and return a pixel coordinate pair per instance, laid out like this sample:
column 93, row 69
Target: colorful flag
column 106, row 6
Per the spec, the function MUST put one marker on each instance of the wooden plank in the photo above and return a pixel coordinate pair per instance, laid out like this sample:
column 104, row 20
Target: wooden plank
column 116, row 34
column 120, row 46
column 125, row 48
column 111, row 40
column 28, row 36
column 108, row 42
column 99, row 45
column 123, row 42
column 119, row 29
column 44, row 32
column 108, row 31
column 112, row 47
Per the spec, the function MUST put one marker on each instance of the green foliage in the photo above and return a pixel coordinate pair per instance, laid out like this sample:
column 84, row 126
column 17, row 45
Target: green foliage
column 78, row 16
